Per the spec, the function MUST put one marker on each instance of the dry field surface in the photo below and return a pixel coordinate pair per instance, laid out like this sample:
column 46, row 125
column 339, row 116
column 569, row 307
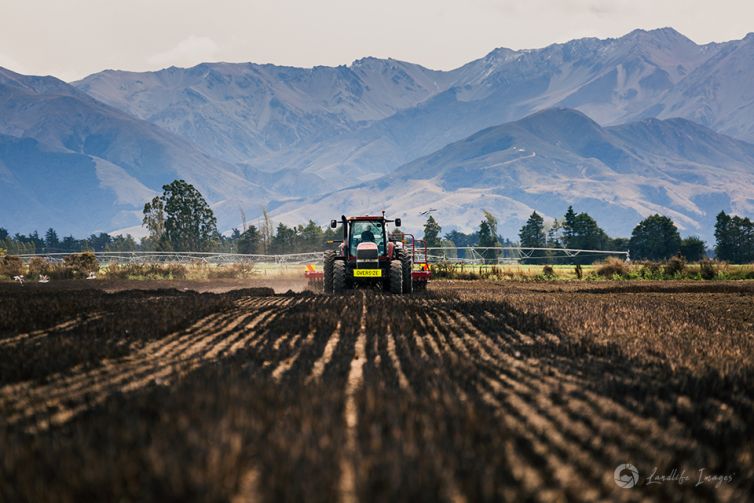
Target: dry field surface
column 472, row 391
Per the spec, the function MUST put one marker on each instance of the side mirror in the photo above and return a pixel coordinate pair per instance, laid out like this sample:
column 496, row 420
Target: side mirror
column 333, row 223
column 397, row 222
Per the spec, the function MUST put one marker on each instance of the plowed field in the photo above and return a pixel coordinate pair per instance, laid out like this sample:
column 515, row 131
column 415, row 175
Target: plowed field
column 471, row 391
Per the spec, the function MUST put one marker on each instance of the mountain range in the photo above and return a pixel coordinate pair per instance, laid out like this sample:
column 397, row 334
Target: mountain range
column 648, row 122
column 558, row 157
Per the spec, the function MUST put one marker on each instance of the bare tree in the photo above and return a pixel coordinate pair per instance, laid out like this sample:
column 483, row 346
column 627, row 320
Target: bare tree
column 266, row 231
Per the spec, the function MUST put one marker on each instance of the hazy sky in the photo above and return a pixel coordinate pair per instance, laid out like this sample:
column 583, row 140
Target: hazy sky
column 73, row 38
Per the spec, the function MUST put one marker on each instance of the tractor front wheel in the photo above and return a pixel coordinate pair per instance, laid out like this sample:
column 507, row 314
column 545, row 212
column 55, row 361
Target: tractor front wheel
column 396, row 277
column 339, row 276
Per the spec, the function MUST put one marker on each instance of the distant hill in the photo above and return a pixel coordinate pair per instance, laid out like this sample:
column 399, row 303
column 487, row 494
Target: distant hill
column 558, row 157
column 70, row 160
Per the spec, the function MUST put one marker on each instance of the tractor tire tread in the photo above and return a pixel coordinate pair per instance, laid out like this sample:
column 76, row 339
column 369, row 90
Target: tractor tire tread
column 328, row 271
column 406, row 264
column 339, row 284
column 396, row 277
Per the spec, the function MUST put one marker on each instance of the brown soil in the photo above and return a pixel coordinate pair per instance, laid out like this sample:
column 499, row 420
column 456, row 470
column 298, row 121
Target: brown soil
column 471, row 391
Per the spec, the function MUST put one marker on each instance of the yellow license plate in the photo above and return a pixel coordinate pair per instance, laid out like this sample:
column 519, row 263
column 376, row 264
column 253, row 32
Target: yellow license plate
column 367, row 273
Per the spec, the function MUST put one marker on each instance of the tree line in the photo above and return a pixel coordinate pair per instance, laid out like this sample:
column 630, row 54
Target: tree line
column 654, row 238
column 486, row 236
column 180, row 219
column 50, row 242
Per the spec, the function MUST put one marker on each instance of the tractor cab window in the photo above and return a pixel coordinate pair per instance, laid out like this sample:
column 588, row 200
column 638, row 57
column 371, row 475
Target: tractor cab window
column 367, row 232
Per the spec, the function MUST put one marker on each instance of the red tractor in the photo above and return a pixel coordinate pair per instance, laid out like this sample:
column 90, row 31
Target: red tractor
column 368, row 256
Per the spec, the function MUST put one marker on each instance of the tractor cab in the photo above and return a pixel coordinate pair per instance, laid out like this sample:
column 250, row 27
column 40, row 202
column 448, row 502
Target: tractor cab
column 365, row 233
column 369, row 233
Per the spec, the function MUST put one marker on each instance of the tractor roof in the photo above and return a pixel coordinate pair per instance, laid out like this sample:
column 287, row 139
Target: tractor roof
column 366, row 217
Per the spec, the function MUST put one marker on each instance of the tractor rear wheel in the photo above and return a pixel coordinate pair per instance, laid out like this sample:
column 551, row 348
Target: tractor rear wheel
column 406, row 265
column 396, row 277
column 329, row 260
column 339, row 276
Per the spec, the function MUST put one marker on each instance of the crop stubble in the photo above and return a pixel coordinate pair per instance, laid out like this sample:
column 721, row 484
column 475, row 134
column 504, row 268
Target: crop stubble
column 472, row 391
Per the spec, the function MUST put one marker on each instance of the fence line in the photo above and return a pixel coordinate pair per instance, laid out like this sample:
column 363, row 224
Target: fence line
column 460, row 255
column 187, row 257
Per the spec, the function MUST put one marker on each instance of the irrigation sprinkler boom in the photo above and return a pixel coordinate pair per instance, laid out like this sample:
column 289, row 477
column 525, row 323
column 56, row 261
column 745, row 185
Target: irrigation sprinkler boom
column 139, row 257
column 513, row 254
column 421, row 254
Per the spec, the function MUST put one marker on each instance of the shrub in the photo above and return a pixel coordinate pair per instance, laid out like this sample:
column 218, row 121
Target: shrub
column 11, row 266
column 231, row 271
column 579, row 271
column 81, row 264
column 707, row 269
column 174, row 271
column 119, row 271
column 508, row 274
column 146, row 271
column 675, row 266
column 494, row 272
column 734, row 272
column 441, row 269
column 61, row 271
column 38, row 266
column 650, row 270
column 612, row 266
